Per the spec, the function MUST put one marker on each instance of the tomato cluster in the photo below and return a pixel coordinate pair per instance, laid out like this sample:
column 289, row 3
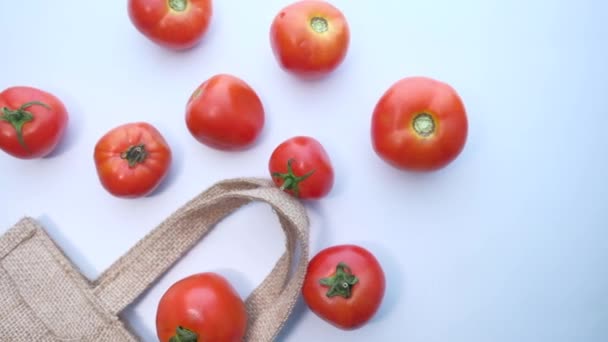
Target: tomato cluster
column 419, row 124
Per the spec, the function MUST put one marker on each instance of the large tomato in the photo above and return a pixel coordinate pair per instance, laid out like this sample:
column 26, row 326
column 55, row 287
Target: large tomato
column 301, row 166
column 132, row 159
column 200, row 308
column 225, row 113
column 419, row 124
column 32, row 122
column 344, row 285
column 310, row 38
column 175, row 24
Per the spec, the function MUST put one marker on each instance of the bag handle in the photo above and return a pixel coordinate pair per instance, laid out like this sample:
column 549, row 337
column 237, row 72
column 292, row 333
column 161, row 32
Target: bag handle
column 269, row 305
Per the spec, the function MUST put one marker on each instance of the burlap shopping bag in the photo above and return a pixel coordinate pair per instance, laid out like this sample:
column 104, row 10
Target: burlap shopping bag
column 43, row 297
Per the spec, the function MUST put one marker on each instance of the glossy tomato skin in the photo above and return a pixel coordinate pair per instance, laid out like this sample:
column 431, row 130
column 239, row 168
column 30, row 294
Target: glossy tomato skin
column 132, row 159
column 174, row 24
column 312, row 173
column 436, row 141
column 44, row 123
column 310, row 38
column 225, row 113
column 365, row 294
column 205, row 304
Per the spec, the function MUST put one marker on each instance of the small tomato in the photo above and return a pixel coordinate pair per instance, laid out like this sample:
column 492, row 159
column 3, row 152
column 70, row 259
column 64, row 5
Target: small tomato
column 32, row 122
column 301, row 166
column 132, row 159
column 419, row 124
column 344, row 285
column 310, row 38
column 175, row 24
column 225, row 113
column 201, row 307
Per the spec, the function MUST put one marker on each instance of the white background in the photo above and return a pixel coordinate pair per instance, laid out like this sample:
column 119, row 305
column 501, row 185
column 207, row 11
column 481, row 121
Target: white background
column 508, row 243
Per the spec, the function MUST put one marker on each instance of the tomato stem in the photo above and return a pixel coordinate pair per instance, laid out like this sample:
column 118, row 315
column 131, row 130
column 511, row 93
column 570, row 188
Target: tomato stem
column 290, row 180
column 183, row 335
column 319, row 24
column 135, row 154
column 178, row 5
column 424, row 124
column 19, row 117
column 341, row 282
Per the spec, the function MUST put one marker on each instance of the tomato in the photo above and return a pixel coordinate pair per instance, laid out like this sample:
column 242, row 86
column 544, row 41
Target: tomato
column 225, row 113
column 344, row 285
column 419, row 124
column 301, row 167
column 32, row 122
column 174, row 24
column 202, row 307
column 132, row 159
column 310, row 38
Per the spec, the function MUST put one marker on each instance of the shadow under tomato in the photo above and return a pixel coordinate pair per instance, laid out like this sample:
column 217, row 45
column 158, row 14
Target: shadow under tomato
column 74, row 127
column 394, row 179
column 394, row 279
column 327, row 79
column 167, row 55
column 177, row 165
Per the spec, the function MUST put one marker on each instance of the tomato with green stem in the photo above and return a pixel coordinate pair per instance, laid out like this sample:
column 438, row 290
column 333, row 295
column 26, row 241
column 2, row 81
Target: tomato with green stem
column 199, row 308
column 310, row 38
column 175, row 24
column 32, row 122
column 132, row 159
column 301, row 166
column 344, row 285
column 419, row 124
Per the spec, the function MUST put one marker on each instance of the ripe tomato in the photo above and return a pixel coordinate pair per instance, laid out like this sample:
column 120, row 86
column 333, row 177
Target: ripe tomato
column 225, row 113
column 175, row 24
column 344, row 285
column 310, row 38
column 32, row 122
column 132, row 159
column 301, row 166
column 419, row 124
column 201, row 307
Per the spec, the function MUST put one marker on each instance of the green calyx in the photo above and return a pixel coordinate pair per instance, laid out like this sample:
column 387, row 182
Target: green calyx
column 178, row 5
column 341, row 283
column 424, row 124
column 319, row 24
column 135, row 154
column 183, row 335
column 290, row 180
column 19, row 117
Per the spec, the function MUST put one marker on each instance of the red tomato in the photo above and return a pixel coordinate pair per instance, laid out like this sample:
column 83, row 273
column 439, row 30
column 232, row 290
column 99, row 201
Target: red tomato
column 202, row 307
column 301, row 166
column 132, row 160
column 310, row 38
column 344, row 285
column 225, row 113
column 32, row 122
column 175, row 24
column 419, row 124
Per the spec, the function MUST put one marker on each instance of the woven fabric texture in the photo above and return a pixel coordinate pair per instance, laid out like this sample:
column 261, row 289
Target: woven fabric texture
column 43, row 296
